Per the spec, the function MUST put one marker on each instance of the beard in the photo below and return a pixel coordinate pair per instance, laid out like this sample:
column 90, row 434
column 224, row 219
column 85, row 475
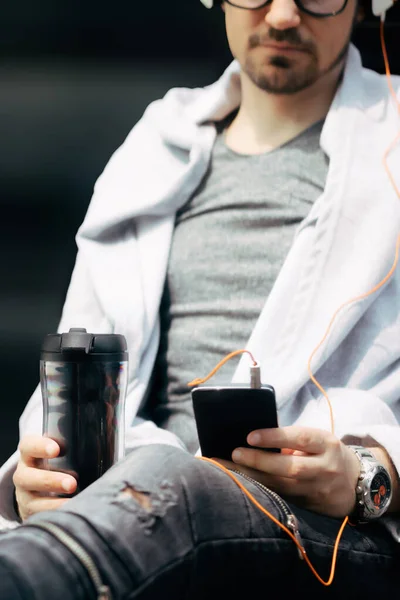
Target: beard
column 281, row 74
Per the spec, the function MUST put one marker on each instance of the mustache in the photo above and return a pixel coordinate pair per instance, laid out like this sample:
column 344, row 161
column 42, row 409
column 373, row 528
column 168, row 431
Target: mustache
column 291, row 36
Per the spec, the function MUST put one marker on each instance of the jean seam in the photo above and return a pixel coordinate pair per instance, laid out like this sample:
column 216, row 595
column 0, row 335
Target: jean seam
column 192, row 534
column 280, row 515
column 110, row 548
column 247, row 507
column 348, row 551
column 186, row 497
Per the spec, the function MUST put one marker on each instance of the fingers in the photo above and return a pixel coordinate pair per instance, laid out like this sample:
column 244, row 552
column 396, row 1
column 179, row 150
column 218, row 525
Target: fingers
column 300, row 459
column 32, row 505
column 299, row 468
column 30, row 479
column 304, row 439
column 35, row 487
column 32, row 447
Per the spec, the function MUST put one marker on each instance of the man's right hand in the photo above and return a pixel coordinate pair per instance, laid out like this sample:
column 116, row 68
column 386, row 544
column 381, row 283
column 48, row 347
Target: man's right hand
column 34, row 485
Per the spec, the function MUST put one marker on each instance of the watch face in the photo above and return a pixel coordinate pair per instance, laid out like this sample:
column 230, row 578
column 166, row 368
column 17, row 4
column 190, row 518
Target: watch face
column 380, row 490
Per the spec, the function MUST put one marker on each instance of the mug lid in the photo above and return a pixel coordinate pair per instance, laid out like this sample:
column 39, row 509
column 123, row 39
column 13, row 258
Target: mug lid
column 79, row 340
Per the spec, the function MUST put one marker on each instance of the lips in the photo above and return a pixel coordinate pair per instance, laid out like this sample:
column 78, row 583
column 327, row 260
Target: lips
column 284, row 48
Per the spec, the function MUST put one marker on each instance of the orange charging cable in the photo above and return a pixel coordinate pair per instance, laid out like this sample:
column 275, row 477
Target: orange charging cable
column 195, row 382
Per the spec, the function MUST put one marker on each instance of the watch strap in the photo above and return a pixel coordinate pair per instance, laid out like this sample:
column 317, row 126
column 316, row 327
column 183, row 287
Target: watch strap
column 357, row 516
column 362, row 452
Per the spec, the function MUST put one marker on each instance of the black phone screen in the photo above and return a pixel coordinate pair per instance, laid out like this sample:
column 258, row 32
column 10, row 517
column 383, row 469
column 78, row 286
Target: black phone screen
column 226, row 415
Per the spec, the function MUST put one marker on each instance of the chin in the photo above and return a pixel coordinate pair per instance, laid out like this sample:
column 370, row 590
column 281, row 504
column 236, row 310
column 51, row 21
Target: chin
column 279, row 75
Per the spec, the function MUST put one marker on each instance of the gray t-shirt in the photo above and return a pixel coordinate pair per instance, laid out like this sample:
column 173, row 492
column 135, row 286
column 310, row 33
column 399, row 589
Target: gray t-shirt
column 230, row 242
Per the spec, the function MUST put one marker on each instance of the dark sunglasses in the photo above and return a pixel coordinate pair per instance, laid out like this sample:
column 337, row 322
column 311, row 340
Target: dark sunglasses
column 316, row 8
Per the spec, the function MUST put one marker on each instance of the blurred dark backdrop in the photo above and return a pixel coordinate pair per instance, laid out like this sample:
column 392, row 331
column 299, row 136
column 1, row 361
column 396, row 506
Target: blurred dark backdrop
column 74, row 78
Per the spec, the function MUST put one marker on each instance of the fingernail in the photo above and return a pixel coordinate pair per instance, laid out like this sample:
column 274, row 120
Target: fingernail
column 237, row 455
column 254, row 438
column 67, row 485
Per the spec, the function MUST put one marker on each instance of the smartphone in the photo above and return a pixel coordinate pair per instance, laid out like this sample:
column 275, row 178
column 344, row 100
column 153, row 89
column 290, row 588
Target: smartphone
column 226, row 415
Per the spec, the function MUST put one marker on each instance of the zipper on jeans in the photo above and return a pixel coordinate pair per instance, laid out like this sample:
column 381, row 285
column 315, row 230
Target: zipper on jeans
column 291, row 519
column 103, row 591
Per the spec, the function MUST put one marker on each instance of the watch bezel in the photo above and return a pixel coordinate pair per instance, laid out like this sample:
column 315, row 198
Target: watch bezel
column 365, row 503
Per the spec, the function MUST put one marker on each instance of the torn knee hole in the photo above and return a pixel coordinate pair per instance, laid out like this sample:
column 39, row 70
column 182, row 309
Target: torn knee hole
column 142, row 498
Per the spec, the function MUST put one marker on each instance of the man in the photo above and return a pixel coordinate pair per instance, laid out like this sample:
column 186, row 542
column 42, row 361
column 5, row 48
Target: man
column 243, row 214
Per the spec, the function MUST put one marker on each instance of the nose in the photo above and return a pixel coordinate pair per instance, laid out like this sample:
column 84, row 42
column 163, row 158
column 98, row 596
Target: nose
column 283, row 14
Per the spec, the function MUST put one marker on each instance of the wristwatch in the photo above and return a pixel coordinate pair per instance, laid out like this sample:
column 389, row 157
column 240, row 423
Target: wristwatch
column 374, row 487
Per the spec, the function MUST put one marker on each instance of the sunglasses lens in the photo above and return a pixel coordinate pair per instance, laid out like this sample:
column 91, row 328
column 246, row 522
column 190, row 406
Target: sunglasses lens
column 323, row 7
column 317, row 7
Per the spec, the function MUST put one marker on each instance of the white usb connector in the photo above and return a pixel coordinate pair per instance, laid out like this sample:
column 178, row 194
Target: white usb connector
column 255, row 377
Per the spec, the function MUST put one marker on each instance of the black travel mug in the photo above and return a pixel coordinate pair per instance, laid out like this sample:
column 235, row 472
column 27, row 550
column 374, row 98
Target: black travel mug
column 83, row 379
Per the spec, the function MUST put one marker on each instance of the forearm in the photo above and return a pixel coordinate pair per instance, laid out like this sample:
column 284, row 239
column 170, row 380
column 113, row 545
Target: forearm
column 382, row 456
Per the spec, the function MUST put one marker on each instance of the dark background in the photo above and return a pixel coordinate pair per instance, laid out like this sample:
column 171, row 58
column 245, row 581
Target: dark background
column 74, row 78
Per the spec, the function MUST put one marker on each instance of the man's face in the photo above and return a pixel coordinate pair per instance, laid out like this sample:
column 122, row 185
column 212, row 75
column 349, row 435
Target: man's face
column 283, row 50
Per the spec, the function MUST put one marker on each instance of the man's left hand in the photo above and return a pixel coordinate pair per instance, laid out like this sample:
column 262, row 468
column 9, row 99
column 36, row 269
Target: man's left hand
column 314, row 469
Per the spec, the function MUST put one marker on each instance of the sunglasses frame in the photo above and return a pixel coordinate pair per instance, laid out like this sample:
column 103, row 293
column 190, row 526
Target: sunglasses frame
column 212, row 3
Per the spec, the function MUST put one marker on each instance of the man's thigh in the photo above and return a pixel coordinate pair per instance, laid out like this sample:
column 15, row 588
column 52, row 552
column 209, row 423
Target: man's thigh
column 164, row 524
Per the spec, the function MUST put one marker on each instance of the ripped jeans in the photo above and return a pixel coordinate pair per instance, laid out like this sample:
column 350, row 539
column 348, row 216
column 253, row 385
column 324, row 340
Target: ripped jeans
column 162, row 524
